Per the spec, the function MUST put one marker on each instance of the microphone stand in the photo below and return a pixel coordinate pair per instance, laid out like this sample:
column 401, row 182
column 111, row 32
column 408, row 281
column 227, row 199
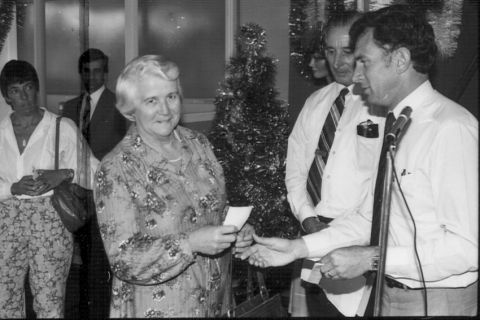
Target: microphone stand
column 384, row 223
column 393, row 140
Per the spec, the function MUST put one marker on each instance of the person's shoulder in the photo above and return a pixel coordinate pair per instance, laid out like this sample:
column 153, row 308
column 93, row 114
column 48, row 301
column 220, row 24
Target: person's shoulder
column 108, row 95
column 324, row 95
column 127, row 145
column 446, row 111
column 72, row 102
column 187, row 132
column 192, row 135
column 5, row 121
column 319, row 100
column 328, row 89
column 119, row 157
column 65, row 123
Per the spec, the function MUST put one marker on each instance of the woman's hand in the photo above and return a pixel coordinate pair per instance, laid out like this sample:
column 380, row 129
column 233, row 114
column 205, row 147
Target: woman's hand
column 244, row 238
column 29, row 186
column 52, row 178
column 212, row 240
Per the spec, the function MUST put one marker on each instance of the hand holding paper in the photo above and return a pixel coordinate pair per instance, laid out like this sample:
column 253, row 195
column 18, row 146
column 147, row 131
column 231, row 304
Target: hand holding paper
column 237, row 216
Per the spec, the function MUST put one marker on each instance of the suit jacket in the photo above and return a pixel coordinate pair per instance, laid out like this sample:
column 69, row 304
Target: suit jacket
column 107, row 125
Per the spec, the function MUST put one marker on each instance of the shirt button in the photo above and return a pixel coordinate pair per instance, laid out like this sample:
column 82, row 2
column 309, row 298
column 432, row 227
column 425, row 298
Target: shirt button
column 333, row 152
column 328, row 176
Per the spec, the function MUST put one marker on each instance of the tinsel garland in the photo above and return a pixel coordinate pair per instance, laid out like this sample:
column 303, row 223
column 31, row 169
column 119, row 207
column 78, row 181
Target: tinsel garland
column 306, row 21
column 7, row 11
column 446, row 25
column 307, row 18
column 250, row 133
column 445, row 17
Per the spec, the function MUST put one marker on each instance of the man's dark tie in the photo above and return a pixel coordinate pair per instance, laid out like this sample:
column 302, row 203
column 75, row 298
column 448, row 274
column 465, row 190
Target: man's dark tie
column 314, row 181
column 86, row 117
column 377, row 206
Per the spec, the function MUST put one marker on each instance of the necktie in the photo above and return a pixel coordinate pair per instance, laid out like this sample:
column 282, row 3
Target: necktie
column 377, row 206
column 86, row 116
column 314, row 181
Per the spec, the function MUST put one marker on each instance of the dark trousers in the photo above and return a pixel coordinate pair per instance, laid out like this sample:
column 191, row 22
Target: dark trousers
column 318, row 303
column 89, row 285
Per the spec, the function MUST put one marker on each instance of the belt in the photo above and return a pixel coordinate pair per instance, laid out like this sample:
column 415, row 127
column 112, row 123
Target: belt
column 392, row 283
column 324, row 219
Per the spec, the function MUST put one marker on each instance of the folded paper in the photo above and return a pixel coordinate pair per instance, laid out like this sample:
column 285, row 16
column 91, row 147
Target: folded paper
column 237, row 216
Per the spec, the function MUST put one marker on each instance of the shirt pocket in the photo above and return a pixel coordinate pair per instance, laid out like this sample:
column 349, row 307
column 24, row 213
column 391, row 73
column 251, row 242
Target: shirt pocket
column 417, row 191
column 367, row 153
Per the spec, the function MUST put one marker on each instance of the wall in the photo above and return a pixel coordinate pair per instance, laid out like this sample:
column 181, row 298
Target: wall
column 272, row 15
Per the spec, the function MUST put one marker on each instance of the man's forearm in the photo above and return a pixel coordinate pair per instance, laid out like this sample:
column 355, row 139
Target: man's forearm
column 299, row 248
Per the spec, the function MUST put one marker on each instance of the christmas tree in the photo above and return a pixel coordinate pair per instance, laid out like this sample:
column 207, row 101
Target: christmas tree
column 250, row 136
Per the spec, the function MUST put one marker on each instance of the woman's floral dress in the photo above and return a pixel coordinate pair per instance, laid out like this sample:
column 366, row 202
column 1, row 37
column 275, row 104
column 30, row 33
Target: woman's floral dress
column 146, row 206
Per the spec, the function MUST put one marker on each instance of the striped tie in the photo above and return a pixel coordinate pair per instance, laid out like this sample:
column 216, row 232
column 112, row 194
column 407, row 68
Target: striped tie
column 314, row 182
column 85, row 119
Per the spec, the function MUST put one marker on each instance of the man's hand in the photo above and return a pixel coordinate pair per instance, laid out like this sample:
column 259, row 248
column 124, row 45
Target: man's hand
column 28, row 186
column 212, row 240
column 313, row 224
column 244, row 238
column 348, row 262
column 272, row 252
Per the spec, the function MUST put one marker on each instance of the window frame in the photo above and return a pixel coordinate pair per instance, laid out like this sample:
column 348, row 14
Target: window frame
column 194, row 110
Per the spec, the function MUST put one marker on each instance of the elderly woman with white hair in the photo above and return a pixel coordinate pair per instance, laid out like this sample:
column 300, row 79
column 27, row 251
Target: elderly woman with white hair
column 160, row 197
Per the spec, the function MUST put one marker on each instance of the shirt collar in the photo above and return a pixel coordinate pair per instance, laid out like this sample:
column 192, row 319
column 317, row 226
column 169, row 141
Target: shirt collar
column 95, row 96
column 6, row 119
column 415, row 99
column 339, row 87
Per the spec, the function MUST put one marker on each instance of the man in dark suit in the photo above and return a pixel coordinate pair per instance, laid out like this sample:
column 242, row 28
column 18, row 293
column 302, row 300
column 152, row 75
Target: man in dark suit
column 103, row 127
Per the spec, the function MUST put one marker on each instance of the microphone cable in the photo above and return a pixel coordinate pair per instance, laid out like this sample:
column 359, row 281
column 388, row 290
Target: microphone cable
column 425, row 304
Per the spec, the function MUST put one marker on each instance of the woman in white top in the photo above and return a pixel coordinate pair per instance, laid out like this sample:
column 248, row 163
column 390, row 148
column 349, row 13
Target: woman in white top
column 33, row 238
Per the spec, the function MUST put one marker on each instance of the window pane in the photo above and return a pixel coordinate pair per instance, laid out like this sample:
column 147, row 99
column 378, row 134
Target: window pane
column 106, row 25
column 62, row 42
column 106, row 32
column 191, row 33
column 25, row 30
column 62, row 45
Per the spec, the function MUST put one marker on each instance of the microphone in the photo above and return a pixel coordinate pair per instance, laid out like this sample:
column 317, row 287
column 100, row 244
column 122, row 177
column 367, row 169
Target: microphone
column 399, row 124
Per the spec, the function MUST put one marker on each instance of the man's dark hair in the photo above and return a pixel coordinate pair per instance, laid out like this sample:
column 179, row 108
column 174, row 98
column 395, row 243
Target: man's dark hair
column 17, row 71
column 341, row 19
column 400, row 26
column 90, row 55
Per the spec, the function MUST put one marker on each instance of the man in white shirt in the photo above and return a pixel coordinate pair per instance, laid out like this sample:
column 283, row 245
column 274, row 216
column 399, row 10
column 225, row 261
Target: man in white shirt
column 346, row 174
column 437, row 168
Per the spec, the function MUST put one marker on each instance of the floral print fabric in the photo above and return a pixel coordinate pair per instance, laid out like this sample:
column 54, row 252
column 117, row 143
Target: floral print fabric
column 146, row 207
column 32, row 236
